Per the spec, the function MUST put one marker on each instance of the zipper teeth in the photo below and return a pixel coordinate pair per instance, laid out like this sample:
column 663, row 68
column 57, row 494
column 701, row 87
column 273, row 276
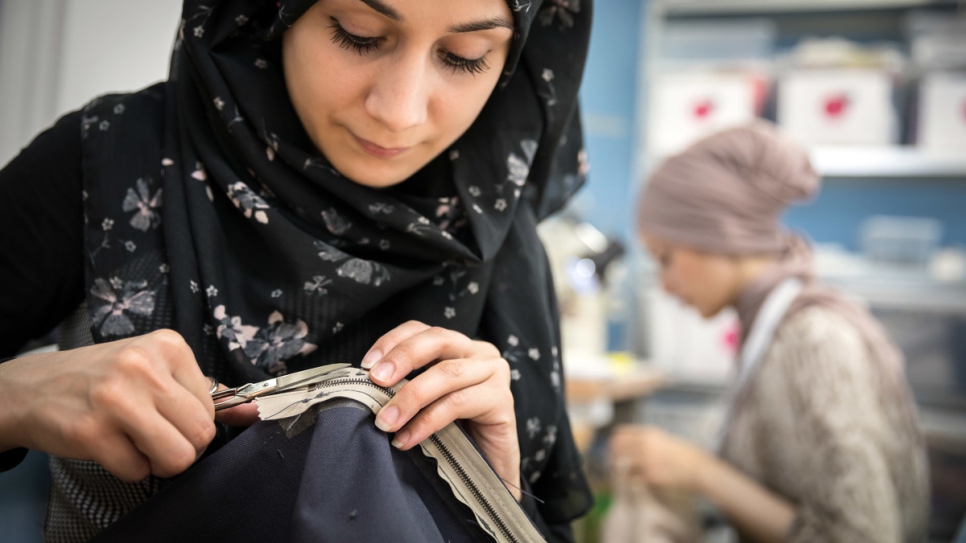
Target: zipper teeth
column 448, row 456
column 473, row 488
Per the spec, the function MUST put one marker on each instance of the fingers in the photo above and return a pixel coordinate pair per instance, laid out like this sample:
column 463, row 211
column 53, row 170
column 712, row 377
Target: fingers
column 450, row 390
column 183, row 366
column 386, row 343
column 149, row 423
column 414, row 345
column 628, row 447
column 119, row 456
column 135, row 406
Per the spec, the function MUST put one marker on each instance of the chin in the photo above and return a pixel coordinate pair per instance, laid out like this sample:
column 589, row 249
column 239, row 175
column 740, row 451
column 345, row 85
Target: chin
column 709, row 312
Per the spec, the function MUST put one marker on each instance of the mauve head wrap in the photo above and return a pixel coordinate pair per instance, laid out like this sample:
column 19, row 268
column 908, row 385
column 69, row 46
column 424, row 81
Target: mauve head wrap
column 725, row 193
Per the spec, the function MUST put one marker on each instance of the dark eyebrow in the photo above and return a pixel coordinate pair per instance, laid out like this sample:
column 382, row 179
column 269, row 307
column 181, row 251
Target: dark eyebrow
column 383, row 9
column 488, row 24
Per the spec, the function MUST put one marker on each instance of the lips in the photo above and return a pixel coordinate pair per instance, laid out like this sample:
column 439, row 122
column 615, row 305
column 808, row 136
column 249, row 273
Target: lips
column 378, row 150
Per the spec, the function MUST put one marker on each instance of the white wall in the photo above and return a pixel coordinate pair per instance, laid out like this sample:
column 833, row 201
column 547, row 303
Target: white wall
column 55, row 55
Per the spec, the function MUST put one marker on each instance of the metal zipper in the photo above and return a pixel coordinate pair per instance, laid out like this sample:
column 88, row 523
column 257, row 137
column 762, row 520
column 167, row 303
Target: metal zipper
column 448, row 456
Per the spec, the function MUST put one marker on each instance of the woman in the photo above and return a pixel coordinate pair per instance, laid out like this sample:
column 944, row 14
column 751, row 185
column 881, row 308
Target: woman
column 341, row 181
column 821, row 440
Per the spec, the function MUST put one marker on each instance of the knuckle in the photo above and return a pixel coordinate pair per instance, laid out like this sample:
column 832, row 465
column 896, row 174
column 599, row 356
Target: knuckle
column 176, row 461
column 133, row 360
column 168, row 339
column 429, row 421
column 138, row 472
column 402, row 355
column 108, row 396
column 490, row 350
column 452, row 368
column 440, row 333
column 130, row 469
column 502, row 371
column 201, row 435
column 82, row 433
column 170, row 344
column 414, row 393
column 457, row 399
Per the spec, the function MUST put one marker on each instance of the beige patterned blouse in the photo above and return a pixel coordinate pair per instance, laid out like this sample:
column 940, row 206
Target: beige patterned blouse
column 821, row 427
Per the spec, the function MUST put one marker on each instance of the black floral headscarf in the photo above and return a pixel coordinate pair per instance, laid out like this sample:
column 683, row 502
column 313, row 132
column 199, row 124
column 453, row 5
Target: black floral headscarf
column 209, row 211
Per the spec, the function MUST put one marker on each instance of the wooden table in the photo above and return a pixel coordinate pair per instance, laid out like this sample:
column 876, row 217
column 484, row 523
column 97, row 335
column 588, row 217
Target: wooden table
column 623, row 387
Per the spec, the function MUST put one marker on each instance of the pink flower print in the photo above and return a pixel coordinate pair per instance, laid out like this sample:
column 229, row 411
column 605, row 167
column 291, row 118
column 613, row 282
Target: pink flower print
column 278, row 342
column 231, row 329
column 248, row 202
column 144, row 205
column 199, row 172
column 120, row 297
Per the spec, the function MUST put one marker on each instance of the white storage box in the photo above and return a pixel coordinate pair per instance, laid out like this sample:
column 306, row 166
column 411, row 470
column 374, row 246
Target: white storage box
column 687, row 107
column 837, row 107
column 942, row 112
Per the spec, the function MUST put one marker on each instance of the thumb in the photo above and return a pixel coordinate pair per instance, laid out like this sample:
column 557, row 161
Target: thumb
column 240, row 415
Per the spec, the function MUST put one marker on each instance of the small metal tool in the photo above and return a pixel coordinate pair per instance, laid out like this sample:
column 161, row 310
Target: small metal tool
column 246, row 393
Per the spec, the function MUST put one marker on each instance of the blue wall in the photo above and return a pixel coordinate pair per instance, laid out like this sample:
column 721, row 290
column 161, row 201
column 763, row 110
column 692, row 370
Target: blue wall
column 608, row 101
column 843, row 204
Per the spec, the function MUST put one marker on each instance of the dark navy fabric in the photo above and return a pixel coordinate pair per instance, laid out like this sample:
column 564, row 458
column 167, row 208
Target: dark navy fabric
column 338, row 481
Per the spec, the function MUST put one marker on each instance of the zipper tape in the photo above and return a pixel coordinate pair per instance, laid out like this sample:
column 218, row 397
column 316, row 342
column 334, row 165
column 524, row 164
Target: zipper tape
column 469, row 476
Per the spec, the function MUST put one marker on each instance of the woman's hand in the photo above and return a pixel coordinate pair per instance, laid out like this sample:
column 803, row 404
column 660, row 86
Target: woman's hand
column 661, row 459
column 466, row 379
column 135, row 406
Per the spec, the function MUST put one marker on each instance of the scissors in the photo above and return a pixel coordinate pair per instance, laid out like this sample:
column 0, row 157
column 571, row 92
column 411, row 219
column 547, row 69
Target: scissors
column 247, row 393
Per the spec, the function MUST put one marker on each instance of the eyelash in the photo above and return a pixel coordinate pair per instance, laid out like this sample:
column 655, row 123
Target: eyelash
column 362, row 46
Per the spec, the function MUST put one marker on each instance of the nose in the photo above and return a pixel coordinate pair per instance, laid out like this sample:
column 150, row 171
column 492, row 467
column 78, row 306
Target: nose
column 399, row 98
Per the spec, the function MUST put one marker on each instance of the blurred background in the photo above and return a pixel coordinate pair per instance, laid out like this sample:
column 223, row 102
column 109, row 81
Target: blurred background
column 875, row 88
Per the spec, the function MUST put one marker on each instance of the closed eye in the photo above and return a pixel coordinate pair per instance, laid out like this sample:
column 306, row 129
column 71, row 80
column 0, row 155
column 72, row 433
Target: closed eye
column 364, row 45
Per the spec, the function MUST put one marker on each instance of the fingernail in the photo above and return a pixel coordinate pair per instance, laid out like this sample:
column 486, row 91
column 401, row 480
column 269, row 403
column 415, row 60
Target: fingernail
column 387, row 417
column 401, row 439
column 371, row 358
column 383, row 372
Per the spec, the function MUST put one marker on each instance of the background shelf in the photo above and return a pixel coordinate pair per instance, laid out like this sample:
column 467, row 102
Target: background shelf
column 890, row 161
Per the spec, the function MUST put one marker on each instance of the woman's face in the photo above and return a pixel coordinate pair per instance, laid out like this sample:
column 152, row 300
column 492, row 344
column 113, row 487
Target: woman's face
column 384, row 86
column 705, row 281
